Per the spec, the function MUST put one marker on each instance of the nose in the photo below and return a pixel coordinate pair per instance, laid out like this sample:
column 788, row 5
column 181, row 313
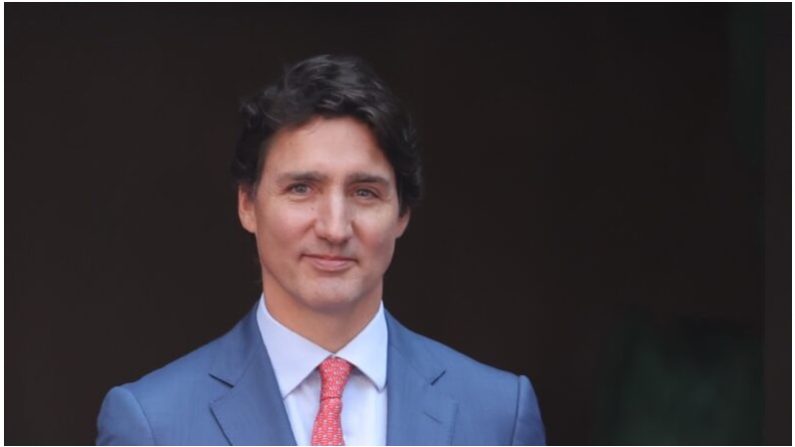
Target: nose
column 333, row 222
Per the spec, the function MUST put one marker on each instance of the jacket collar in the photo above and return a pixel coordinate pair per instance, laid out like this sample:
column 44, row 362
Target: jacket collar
column 417, row 412
column 252, row 411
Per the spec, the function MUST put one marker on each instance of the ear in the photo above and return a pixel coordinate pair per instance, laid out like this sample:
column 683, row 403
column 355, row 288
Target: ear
column 245, row 208
column 403, row 223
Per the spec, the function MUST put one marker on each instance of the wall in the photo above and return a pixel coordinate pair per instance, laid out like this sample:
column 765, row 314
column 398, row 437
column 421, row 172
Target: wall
column 596, row 196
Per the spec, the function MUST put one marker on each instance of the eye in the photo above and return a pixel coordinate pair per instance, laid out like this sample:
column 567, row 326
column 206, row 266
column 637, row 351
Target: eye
column 299, row 188
column 366, row 193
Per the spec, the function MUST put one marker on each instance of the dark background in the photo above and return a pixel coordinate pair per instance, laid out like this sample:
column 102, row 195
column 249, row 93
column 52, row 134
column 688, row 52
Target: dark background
column 608, row 201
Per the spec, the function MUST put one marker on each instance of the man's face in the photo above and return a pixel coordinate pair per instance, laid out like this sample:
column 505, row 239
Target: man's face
column 325, row 215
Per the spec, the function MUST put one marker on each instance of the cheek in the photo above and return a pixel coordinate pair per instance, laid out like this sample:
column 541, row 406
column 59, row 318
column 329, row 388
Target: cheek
column 283, row 226
column 378, row 236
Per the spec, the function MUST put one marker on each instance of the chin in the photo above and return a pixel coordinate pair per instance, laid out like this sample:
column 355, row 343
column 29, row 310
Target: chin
column 332, row 298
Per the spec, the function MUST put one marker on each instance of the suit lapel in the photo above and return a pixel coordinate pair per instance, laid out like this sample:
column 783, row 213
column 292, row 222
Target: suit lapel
column 252, row 412
column 417, row 413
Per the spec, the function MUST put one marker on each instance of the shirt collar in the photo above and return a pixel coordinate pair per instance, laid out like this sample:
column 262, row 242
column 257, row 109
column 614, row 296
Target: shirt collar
column 294, row 357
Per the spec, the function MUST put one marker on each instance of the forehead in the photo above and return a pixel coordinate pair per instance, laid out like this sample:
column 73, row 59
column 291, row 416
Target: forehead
column 329, row 145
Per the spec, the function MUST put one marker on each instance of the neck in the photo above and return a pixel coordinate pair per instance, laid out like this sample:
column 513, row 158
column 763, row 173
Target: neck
column 330, row 329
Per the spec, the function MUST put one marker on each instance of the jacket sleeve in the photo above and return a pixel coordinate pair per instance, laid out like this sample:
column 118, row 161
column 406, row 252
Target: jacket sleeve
column 528, row 427
column 122, row 421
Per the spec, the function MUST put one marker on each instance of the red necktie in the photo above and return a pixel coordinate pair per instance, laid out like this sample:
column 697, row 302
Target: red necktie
column 327, row 430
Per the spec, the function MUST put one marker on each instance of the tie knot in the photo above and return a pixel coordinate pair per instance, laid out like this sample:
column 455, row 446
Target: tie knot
column 334, row 373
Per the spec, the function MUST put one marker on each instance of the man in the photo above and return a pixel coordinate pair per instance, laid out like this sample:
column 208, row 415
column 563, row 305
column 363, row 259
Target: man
column 328, row 170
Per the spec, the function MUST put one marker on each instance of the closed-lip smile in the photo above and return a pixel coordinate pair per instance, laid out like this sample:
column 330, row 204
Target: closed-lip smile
column 330, row 263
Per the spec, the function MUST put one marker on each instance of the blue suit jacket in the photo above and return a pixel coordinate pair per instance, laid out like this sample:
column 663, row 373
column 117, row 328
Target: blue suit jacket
column 226, row 393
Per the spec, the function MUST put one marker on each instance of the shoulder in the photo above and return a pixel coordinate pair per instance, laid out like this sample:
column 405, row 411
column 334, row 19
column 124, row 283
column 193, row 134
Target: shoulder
column 429, row 354
column 463, row 364
column 493, row 392
column 187, row 375
column 490, row 400
column 171, row 405
column 146, row 411
column 212, row 366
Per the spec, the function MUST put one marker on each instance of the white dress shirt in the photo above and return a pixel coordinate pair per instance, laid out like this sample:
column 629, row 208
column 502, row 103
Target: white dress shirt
column 295, row 360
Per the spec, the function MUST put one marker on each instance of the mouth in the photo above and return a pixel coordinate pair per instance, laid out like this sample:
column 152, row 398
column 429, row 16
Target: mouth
column 329, row 263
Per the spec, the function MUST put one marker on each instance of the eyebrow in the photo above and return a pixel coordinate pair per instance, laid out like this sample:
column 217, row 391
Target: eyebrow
column 363, row 177
column 318, row 177
column 301, row 176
